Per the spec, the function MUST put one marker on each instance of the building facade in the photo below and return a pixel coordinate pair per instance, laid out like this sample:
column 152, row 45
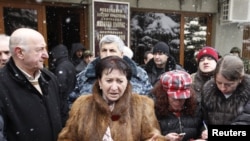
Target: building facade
column 186, row 25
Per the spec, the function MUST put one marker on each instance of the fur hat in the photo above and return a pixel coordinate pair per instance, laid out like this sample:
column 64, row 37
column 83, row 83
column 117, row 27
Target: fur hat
column 207, row 51
column 161, row 47
column 176, row 84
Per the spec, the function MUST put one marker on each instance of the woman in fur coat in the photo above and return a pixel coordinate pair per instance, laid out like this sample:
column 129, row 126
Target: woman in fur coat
column 112, row 112
column 226, row 98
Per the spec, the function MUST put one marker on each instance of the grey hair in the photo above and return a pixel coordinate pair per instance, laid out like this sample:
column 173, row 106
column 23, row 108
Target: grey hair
column 108, row 39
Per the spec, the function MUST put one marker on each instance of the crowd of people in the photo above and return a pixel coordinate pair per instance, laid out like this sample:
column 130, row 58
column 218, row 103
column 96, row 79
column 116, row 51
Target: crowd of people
column 110, row 97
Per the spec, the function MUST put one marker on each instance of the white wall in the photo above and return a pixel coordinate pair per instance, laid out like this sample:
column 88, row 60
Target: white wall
column 227, row 36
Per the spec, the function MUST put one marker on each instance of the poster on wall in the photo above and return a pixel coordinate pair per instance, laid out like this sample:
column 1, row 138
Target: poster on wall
column 110, row 17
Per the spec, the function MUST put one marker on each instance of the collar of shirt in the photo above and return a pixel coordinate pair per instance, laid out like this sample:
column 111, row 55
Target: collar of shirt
column 31, row 78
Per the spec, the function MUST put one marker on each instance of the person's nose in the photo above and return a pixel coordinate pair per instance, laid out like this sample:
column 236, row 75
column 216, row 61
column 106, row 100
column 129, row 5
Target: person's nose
column 114, row 86
column 108, row 53
column 45, row 54
column 205, row 60
column 89, row 58
column 156, row 55
column 223, row 87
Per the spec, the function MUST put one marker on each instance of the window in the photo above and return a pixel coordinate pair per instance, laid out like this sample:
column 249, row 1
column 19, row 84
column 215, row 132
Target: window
column 183, row 32
column 19, row 17
column 195, row 37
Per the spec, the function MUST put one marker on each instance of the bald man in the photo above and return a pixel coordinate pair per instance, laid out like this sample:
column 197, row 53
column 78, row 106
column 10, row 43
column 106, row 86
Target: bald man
column 29, row 94
column 4, row 49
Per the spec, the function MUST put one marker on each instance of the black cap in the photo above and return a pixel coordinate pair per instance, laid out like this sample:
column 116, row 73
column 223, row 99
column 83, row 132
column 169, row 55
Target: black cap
column 161, row 47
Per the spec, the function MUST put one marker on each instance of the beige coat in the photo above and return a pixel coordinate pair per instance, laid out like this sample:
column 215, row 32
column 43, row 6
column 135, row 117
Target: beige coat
column 133, row 119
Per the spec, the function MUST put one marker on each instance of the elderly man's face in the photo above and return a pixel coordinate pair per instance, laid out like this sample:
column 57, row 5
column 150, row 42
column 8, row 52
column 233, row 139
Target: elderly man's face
column 110, row 49
column 34, row 57
column 4, row 53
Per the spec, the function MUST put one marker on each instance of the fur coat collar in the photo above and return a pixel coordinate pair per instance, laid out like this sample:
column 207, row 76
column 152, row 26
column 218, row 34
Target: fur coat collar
column 133, row 118
column 220, row 110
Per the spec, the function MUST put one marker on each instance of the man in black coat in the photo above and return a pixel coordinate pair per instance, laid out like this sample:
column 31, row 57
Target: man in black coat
column 76, row 53
column 29, row 93
column 65, row 71
column 161, row 62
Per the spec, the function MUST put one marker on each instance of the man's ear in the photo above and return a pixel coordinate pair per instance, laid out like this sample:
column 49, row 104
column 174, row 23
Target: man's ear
column 19, row 52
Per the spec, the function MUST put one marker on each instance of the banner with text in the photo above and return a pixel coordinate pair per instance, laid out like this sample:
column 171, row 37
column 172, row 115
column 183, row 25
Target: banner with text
column 110, row 17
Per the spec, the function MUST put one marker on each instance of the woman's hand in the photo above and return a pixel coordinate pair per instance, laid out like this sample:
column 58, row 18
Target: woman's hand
column 204, row 134
column 174, row 137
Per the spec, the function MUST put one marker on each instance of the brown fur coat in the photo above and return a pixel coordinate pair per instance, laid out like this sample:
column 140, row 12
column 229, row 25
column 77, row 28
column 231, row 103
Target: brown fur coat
column 133, row 119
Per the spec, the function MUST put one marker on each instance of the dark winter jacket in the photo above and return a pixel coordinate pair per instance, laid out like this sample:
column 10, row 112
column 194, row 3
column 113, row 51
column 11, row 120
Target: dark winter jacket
column 65, row 72
column 75, row 47
column 191, row 125
column 2, row 138
column 189, row 120
column 150, row 68
column 199, row 80
column 28, row 115
column 222, row 111
column 81, row 66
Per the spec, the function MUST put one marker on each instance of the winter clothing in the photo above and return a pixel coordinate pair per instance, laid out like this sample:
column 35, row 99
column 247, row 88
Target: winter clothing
column 2, row 138
column 207, row 51
column 186, row 120
column 151, row 69
column 127, row 51
column 75, row 47
column 65, row 72
column 132, row 118
column 198, row 80
column 59, row 51
column 176, row 84
column 28, row 115
column 225, row 111
column 161, row 47
column 82, row 65
column 86, row 78
column 235, row 50
column 191, row 125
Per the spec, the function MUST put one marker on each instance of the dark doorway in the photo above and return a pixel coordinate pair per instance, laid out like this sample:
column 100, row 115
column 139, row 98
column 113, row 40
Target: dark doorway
column 63, row 26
